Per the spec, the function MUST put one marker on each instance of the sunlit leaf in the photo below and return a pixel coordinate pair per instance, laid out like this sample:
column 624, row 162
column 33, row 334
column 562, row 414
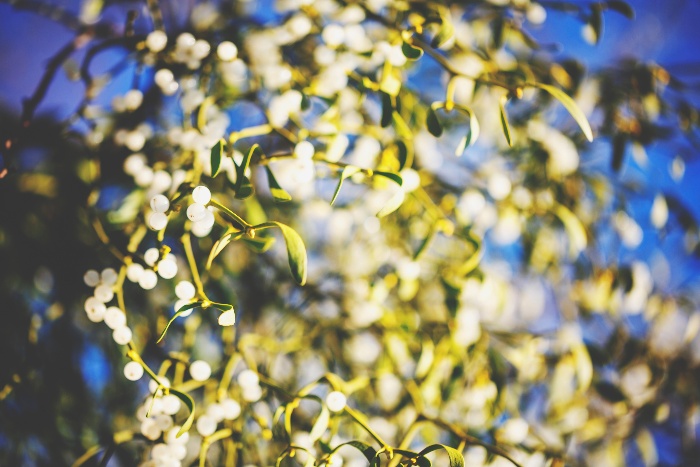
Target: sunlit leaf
column 259, row 243
column 241, row 179
column 570, row 105
column 347, row 172
column 456, row 457
column 393, row 204
column 189, row 402
column 472, row 133
column 444, row 34
column 221, row 244
column 577, row 234
column 296, row 251
column 321, row 423
column 278, row 193
column 179, row 312
column 394, row 177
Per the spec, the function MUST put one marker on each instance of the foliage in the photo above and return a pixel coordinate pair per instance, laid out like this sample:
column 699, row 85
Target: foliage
column 471, row 297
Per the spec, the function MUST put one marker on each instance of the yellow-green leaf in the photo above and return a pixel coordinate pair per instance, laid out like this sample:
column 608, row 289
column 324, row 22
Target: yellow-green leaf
column 574, row 228
column 296, row 251
column 189, row 402
column 393, row 204
column 180, row 311
column 570, row 105
column 278, row 193
column 347, row 172
column 456, row 458
column 221, row 244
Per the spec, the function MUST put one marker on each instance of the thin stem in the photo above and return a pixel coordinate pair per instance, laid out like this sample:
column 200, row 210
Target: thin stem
column 355, row 416
column 187, row 245
column 235, row 217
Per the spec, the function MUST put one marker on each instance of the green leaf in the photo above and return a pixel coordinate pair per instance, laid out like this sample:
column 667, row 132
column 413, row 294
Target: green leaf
column 403, row 155
column 504, row 120
column 387, row 109
column 221, row 244
column 445, row 33
column 278, row 193
column 245, row 188
column 394, row 177
column 596, row 21
column 241, row 179
column 432, row 122
column 221, row 306
column 570, row 105
column 410, row 51
column 189, row 402
column 619, row 144
column 621, row 7
column 296, row 251
column 456, row 458
column 216, row 152
column 180, row 311
column 393, row 204
column 259, row 244
column 348, row 171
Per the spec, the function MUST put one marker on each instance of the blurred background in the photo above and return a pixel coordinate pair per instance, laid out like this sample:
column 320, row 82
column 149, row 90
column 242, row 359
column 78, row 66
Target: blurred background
column 59, row 387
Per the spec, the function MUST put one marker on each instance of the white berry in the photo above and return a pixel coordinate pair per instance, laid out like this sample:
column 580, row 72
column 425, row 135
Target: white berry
column 201, row 194
column 114, row 317
column 156, row 41
column 196, row 212
column 160, row 203
column 157, row 220
column 148, row 279
column 185, row 290
column 227, row 51
column 248, row 378
column 200, row 370
column 122, row 335
column 133, row 371
column 91, row 278
column 336, row 401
